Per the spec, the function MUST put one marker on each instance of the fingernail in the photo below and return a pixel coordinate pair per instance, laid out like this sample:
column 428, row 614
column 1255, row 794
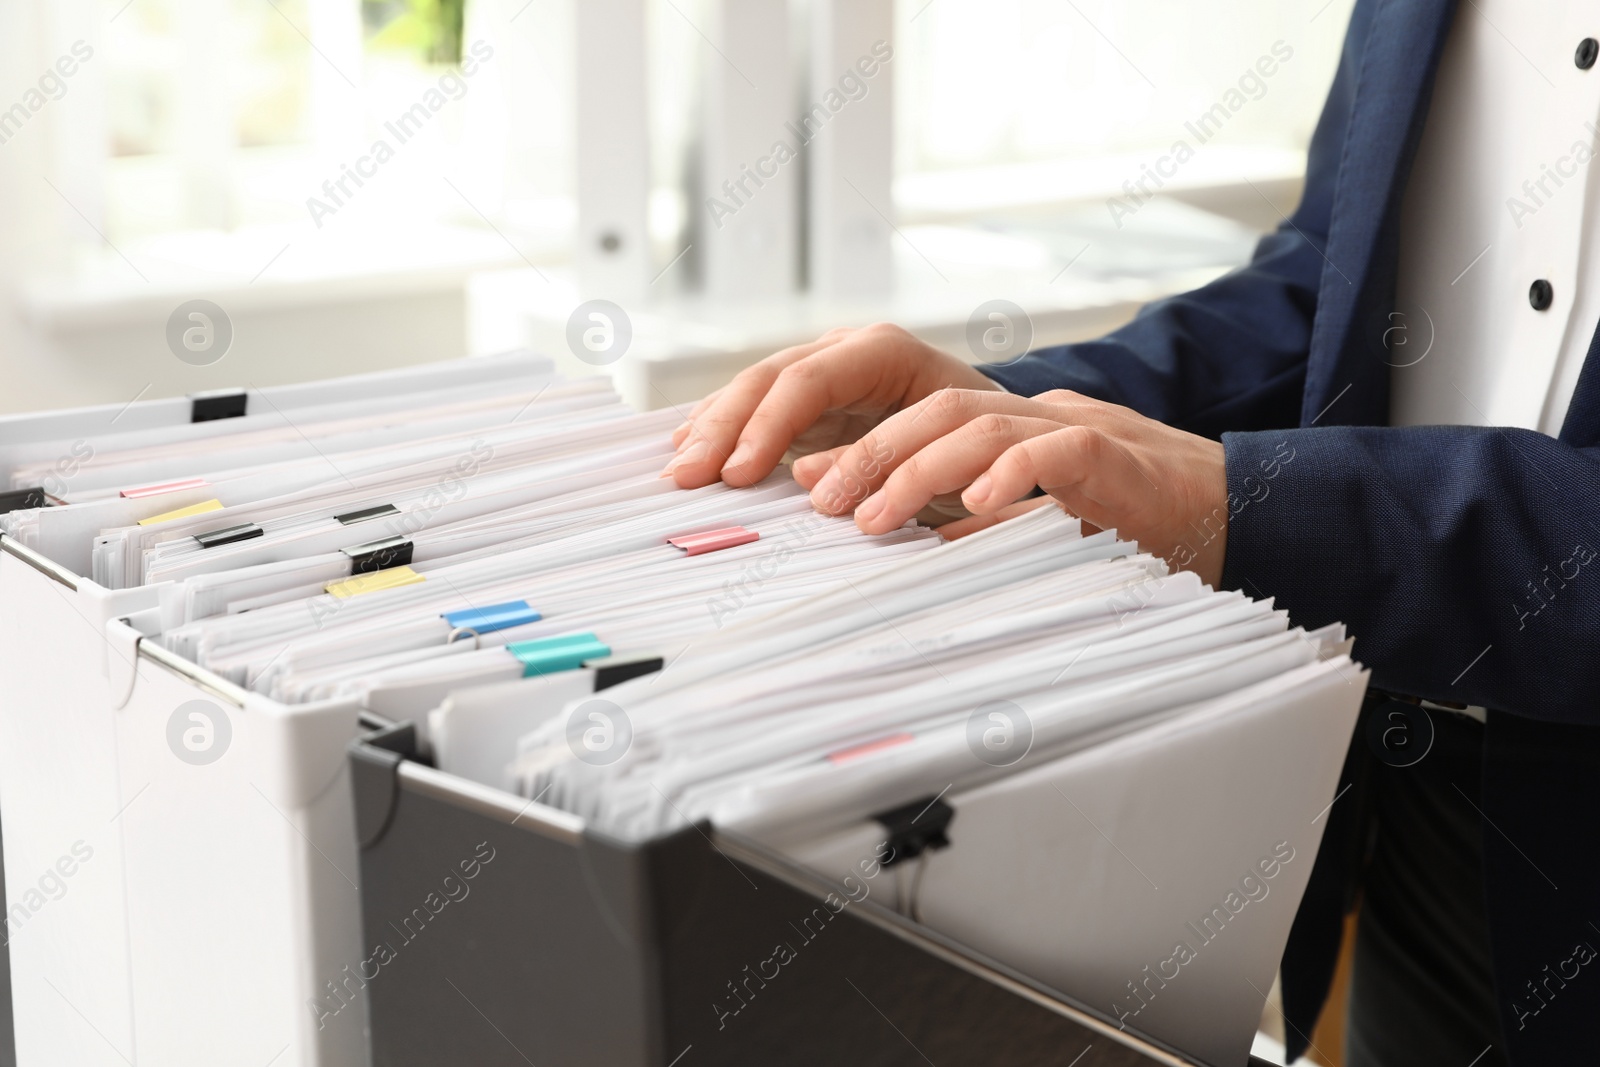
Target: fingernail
column 979, row 490
column 742, row 454
column 693, row 454
column 682, row 426
column 808, row 470
column 870, row 508
column 825, row 494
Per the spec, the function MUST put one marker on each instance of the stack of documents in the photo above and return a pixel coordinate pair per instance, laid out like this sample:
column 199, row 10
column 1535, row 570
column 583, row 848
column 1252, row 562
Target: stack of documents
column 861, row 698
column 489, row 550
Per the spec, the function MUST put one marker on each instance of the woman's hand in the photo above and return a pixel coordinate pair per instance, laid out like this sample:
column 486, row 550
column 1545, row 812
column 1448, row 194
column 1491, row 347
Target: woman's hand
column 810, row 397
column 1107, row 464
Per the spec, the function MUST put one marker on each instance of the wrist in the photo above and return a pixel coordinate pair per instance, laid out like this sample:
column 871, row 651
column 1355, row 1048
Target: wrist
column 1255, row 463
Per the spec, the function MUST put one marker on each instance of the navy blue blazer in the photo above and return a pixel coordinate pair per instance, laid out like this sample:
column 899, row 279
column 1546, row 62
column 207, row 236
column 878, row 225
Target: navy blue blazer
column 1462, row 558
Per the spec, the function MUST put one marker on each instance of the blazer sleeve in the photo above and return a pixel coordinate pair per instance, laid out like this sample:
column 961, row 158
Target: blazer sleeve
column 1230, row 355
column 1466, row 560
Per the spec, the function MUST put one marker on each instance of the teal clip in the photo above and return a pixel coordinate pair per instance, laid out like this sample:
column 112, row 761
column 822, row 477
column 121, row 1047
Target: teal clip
column 548, row 655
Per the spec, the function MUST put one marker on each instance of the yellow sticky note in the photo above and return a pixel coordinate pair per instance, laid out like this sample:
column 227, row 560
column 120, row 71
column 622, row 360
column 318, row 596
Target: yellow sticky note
column 183, row 513
column 392, row 578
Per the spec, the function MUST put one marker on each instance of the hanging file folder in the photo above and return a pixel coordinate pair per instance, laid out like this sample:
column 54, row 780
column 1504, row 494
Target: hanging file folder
column 676, row 721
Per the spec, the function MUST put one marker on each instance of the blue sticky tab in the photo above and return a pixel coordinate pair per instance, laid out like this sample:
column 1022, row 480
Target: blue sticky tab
column 547, row 655
column 494, row 617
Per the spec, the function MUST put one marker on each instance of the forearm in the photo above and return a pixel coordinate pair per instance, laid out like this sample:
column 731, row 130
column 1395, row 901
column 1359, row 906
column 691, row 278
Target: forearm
column 1463, row 559
column 1230, row 355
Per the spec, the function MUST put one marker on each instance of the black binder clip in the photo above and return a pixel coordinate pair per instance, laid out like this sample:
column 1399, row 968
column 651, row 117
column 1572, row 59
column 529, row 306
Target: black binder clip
column 22, row 499
column 228, row 535
column 217, row 404
column 350, row 518
column 379, row 555
column 614, row 670
column 915, row 828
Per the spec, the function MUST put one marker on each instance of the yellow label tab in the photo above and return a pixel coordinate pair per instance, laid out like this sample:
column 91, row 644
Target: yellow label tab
column 393, row 578
column 183, row 513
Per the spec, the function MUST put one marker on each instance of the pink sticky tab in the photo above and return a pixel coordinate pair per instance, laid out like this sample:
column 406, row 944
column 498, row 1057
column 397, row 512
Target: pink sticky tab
column 141, row 491
column 855, row 752
column 711, row 540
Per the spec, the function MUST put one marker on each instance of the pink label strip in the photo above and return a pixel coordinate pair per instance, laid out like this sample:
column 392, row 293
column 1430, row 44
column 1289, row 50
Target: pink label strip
column 139, row 492
column 711, row 540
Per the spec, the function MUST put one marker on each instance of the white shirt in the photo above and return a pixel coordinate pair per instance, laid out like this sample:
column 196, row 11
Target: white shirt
column 1504, row 192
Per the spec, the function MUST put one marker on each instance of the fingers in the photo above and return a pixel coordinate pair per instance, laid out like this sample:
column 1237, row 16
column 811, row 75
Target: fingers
column 868, row 369
column 808, row 470
column 716, row 422
column 946, row 465
column 810, row 396
column 864, row 467
column 1082, row 466
column 954, row 531
column 682, row 432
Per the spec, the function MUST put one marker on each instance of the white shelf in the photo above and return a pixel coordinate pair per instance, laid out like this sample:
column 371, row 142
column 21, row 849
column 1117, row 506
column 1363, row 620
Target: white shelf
column 260, row 269
column 1076, row 278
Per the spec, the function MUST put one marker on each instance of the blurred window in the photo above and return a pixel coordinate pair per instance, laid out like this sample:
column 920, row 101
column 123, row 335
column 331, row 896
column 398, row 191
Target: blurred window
column 223, row 114
column 983, row 82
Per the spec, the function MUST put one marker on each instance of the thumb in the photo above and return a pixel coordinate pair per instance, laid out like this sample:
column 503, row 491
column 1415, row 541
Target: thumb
column 953, row 531
column 808, row 470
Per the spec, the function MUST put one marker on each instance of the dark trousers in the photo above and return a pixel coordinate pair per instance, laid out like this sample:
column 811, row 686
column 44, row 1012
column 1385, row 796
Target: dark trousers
column 1421, row 990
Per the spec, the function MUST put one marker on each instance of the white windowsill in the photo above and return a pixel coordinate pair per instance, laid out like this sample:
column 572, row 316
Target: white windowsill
column 259, row 269
column 1041, row 187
